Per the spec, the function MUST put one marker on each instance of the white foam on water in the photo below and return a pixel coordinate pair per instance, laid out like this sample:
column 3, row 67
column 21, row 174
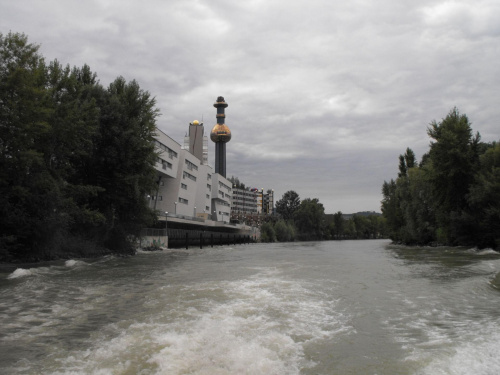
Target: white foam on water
column 39, row 271
column 487, row 252
column 476, row 355
column 262, row 328
column 73, row 263
column 258, row 325
column 20, row 272
column 476, row 251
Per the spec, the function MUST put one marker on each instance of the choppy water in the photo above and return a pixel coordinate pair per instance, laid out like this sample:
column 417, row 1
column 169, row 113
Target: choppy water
column 352, row 307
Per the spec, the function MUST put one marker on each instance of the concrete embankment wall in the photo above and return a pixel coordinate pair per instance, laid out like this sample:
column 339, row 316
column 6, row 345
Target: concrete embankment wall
column 181, row 233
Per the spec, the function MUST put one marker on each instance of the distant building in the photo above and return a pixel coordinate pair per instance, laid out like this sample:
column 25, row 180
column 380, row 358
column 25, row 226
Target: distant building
column 265, row 201
column 244, row 201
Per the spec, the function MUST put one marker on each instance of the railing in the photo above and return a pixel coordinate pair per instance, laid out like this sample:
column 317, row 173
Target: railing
column 188, row 237
column 153, row 232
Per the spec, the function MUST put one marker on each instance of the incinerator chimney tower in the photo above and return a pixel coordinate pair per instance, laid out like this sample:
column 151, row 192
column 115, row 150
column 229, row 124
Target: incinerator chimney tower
column 220, row 134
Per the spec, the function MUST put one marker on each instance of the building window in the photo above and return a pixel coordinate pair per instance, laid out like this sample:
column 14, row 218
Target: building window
column 171, row 153
column 182, row 200
column 164, row 164
column 184, row 186
column 191, row 166
column 188, row 175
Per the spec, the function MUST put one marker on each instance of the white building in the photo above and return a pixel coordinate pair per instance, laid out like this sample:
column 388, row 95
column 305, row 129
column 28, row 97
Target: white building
column 186, row 187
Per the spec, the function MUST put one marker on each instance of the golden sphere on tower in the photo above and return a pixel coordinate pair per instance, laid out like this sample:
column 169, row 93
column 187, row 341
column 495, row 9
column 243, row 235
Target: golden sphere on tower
column 220, row 133
column 196, row 122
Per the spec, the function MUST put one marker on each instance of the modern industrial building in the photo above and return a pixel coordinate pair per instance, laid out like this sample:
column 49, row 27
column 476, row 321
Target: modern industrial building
column 187, row 186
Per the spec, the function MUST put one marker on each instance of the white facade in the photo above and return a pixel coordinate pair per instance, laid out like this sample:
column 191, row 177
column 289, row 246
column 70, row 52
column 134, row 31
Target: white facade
column 187, row 187
column 221, row 198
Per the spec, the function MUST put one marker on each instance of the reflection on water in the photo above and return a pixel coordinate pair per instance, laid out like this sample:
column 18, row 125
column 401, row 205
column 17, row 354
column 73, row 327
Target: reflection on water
column 301, row 308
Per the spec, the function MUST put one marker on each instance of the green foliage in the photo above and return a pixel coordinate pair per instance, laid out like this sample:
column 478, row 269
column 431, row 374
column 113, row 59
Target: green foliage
column 288, row 204
column 452, row 196
column 484, row 199
column 284, row 231
column 454, row 159
column 337, row 225
column 235, row 181
column 309, row 220
column 76, row 160
column 267, row 233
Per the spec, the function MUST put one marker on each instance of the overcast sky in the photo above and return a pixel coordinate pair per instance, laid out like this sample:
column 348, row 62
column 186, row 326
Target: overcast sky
column 323, row 94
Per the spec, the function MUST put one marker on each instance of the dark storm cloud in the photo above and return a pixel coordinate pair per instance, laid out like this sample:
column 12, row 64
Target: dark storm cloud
column 323, row 95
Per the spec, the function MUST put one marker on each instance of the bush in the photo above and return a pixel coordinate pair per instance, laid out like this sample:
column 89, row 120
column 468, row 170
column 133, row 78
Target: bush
column 267, row 233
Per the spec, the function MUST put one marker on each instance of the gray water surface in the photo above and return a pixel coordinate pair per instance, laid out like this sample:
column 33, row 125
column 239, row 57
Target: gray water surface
column 350, row 307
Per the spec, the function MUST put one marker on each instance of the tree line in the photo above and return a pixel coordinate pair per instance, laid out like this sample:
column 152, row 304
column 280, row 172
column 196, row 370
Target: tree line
column 305, row 220
column 76, row 158
column 450, row 197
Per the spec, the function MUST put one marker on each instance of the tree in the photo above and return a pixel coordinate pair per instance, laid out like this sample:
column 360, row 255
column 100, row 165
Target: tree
column 284, row 231
column 484, row 199
column 338, row 225
column 406, row 162
column 76, row 160
column 288, row 204
column 124, row 159
column 391, row 209
column 267, row 233
column 454, row 158
column 309, row 219
column 452, row 196
column 29, row 194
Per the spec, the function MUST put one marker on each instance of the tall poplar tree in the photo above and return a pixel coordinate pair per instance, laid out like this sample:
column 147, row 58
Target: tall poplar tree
column 454, row 159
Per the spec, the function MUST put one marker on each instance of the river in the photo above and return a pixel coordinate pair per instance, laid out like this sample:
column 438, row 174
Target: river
column 348, row 307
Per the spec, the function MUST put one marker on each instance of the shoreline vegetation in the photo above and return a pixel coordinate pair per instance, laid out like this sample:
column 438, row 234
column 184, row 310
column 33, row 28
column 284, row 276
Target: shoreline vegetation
column 452, row 196
column 306, row 221
column 76, row 158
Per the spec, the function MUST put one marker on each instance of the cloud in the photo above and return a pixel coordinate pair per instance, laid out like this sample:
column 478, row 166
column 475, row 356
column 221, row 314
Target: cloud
column 323, row 95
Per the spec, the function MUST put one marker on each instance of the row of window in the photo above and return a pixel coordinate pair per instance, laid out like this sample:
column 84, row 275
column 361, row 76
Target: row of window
column 171, row 153
column 191, row 166
column 164, row 164
column 223, row 185
column 244, row 199
column 239, row 204
column 224, row 194
column 188, row 175
column 244, row 193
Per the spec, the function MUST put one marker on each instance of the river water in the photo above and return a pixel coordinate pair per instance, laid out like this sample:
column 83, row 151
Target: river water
column 350, row 307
